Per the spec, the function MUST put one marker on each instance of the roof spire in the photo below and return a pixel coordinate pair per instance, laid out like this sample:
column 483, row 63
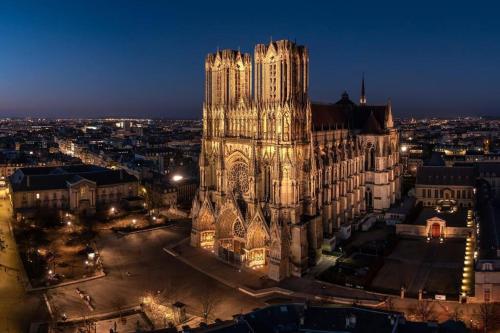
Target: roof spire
column 362, row 99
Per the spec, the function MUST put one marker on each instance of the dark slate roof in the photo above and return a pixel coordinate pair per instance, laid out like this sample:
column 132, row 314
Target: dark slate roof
column 293, row 318
column 488, row 169
column 372, row 126
column 326, row 116
column 346, row 114
column 333, row 319
column 62, row 169
column 442, row 175
column 455, row 219
column 50, row 178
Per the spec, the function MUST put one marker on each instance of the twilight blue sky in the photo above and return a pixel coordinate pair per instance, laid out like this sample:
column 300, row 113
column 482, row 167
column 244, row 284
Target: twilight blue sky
column 145, row 58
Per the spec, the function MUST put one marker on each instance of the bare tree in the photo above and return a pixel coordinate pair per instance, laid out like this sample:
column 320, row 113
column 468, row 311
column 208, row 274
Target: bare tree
column 153, row 197
column 424, row 310
column 457, row 314
column 489, row 316
column 209, row 302
column 169, row 292
column 389, row 304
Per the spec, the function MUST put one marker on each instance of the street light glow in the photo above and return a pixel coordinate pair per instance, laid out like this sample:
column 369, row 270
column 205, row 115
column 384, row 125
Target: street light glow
column 177, row 178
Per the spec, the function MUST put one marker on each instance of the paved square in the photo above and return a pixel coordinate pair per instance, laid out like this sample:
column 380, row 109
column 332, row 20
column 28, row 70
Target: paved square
column 417, row 264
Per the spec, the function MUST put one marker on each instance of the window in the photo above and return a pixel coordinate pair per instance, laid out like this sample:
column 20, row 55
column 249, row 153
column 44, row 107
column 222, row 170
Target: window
column 486, row 266
column 436, row 193
column 487, row 295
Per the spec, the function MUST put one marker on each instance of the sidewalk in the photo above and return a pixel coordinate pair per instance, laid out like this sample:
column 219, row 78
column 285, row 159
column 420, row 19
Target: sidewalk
column 256, row 283
column 234, row 277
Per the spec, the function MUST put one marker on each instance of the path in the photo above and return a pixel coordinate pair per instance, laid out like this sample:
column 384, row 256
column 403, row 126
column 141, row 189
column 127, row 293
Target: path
column 17, row 309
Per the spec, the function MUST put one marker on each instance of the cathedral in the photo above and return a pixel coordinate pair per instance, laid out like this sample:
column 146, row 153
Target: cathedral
column 282, row 177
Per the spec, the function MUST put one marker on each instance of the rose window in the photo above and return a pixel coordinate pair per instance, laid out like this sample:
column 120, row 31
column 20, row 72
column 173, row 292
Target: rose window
column 238, row 178
column 239, row 230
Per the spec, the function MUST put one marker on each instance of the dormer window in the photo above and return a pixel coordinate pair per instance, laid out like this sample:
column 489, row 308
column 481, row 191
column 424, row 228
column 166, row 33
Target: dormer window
column 487, row 266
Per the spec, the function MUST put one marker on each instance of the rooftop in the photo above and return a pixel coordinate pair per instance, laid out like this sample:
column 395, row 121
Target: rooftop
column 456, row 219
column 442, row 175
column 48, row 178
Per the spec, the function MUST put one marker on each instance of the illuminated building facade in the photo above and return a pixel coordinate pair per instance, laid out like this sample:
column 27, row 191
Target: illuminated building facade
column 76, row 188
column 279, row 175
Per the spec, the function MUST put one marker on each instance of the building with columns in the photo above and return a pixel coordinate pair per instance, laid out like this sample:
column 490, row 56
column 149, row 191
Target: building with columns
column 280, row 175
column 80, row 189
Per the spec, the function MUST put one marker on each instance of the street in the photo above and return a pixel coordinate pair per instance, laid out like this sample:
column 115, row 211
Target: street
column 17, row 309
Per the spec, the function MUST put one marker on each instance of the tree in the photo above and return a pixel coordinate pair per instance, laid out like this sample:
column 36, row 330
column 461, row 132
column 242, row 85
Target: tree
column 209, row 301
column 424, row 310
column 457, row 314
column 489, row 316
column 152, row 196
column 389, row 304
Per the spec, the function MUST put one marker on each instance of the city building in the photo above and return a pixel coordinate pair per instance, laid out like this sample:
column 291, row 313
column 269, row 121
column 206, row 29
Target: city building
column 441, row 225
column 296, row 317
column 445, row 186
column 78, row 188
column 280, row 175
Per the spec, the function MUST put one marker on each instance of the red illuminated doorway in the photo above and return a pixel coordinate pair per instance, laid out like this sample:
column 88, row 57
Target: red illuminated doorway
column 436, row 230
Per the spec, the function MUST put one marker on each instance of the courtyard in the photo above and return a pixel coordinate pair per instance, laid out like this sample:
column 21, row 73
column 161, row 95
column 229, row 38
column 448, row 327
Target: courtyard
column 378, row 260
column 137, row 266
column 415, row 264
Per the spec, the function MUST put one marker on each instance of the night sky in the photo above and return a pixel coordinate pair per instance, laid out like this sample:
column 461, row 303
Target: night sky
column 146, row 58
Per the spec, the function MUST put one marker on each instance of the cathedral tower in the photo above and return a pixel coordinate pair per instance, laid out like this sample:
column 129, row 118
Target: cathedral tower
column 362, row 99
column 279, row 176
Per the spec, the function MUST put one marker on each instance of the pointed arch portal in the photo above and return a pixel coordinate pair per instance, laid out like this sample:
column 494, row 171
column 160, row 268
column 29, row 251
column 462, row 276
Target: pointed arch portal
column 206, row 226
column 257, row 241
column 230, row 237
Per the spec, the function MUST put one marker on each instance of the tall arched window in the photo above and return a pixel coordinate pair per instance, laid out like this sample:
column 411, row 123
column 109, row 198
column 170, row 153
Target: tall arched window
column 372, row 159
column 267, row 182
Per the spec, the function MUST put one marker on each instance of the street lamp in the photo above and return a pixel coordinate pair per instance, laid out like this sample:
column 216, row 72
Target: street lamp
column 177, row 178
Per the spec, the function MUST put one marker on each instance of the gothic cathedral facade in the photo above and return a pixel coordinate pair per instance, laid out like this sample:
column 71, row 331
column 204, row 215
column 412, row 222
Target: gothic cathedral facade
column 281, row 176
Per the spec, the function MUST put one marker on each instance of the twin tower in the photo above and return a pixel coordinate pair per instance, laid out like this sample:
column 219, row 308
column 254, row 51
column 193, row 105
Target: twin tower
column 280, row 75
column 255, row 148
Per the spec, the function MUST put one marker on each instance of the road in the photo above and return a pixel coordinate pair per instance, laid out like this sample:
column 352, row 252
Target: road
column 17, row 309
